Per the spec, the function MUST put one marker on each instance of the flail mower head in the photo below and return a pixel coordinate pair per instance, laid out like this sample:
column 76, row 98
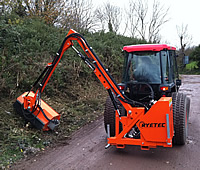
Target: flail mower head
column 40, row 114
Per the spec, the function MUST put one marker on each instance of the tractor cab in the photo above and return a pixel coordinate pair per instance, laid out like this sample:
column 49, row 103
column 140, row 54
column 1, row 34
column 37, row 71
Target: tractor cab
column 150, row 71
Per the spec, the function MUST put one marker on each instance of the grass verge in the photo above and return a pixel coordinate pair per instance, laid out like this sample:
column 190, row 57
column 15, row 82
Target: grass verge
column 19, row 139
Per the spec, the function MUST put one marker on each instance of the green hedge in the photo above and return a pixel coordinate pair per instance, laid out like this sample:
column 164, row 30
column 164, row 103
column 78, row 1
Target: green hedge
column 27, row 45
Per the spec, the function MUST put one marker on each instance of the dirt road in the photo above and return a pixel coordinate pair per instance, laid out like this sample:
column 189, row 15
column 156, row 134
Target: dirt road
column 86, row 148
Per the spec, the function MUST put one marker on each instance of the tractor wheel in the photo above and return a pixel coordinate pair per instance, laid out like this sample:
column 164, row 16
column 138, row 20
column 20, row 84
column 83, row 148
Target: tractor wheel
column 109, row 117
column 180, row 117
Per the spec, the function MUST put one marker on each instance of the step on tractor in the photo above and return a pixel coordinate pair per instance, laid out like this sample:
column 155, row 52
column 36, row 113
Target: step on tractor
column 145, row 109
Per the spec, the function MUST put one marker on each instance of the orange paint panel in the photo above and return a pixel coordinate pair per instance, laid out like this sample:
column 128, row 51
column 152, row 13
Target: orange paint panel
column 153, row 125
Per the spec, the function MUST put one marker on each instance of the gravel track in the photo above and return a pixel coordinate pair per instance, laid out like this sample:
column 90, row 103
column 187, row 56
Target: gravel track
column 85, row 150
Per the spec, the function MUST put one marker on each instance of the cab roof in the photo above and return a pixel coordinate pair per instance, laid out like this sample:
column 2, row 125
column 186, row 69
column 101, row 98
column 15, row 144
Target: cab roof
column 148, row 47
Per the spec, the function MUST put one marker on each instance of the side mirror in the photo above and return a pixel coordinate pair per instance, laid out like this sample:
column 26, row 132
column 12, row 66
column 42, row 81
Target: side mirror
column 185, row 60
column 178, row 82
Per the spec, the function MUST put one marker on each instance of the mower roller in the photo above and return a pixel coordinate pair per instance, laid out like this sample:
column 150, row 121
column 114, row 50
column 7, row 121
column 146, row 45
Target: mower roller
column 145, row 109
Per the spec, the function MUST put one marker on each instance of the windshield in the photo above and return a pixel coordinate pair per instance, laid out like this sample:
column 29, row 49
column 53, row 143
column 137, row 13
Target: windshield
column 143, row 67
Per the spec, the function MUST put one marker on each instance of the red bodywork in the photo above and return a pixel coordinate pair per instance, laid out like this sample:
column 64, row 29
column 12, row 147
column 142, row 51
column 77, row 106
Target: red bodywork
column 148, row 47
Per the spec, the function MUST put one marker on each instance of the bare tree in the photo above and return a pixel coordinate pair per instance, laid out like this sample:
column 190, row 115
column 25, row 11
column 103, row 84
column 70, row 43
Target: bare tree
column 78, row 15
column 49, row 10
column 141, row 8
column 131, row 20
column 6, row 6
column 100, row 17
column 158, row 19
column 113, row 15
column 140, row 24
column 184, row 37
column 110, row 15
column 185, row 40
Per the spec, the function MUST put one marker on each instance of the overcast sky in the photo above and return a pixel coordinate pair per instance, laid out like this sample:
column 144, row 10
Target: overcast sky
column 180, row 12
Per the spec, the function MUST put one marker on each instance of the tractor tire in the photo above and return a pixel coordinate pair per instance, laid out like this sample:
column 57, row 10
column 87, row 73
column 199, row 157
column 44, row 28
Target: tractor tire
column 109, row 117
column 181, row 105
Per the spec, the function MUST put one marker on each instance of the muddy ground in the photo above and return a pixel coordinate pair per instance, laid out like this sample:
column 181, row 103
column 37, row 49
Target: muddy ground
column 85, row 150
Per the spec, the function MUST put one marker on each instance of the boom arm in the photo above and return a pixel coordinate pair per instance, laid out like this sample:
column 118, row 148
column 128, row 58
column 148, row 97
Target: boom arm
column 92, row 61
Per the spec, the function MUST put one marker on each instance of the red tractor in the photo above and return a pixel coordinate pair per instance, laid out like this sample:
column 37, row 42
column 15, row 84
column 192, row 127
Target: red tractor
column 150, row 76
column 145, row 109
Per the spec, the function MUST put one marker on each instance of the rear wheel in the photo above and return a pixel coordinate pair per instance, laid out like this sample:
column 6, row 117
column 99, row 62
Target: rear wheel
column 109, row 117
column 180, row 117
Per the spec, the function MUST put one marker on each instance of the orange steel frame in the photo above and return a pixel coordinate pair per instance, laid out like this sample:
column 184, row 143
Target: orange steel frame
column 156, row 129
column 155, row 125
